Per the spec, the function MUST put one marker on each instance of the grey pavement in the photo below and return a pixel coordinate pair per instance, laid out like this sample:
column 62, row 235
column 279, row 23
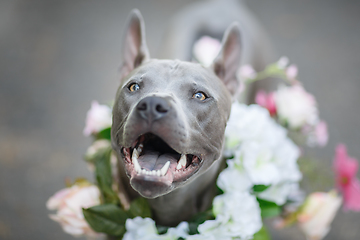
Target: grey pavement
column 57, row 56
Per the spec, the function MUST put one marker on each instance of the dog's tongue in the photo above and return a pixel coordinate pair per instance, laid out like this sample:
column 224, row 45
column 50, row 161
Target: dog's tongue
column 155, row 160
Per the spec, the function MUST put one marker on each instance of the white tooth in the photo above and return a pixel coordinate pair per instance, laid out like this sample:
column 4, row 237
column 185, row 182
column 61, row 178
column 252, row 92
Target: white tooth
column 135, row 162
column 165, row 168
column 182, row 162
column 140, row 148
column 135, row 153
column 158, row 173
column 143, row 171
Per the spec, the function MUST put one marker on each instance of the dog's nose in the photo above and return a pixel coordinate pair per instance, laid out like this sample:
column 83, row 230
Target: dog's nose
column 152, row 108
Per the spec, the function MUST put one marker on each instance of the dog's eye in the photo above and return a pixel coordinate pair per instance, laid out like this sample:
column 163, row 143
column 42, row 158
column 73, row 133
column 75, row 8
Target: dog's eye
column 134, row 87
column 200, row 96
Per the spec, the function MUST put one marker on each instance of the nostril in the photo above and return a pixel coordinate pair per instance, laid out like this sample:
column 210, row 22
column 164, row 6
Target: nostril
column 161, row 109
column 142, row 106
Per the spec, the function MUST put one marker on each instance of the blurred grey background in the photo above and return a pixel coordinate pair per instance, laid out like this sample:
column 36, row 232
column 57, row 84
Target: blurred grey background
column 57, row 56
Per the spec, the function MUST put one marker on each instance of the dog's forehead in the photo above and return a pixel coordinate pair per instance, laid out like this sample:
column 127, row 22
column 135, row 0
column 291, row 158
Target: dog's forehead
column 177, row 74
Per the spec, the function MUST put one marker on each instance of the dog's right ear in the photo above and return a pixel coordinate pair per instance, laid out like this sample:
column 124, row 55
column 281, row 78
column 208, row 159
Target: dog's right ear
column 134, row 50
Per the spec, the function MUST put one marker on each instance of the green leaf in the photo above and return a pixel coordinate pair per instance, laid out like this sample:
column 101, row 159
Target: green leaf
column 106, row 218
column 104, row 134
column 140, row 207
column 269, row 209
column 260, row 188
column 162, row 229
column 262, row 234
column 104, row 176
column 198, row 219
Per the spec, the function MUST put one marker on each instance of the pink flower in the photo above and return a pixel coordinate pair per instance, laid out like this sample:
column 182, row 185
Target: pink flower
column 247, row 72
column 267, row 101
column 317, row 213
column 98, row 118
column 206, row 49
column 345, row 168
column 69, row 203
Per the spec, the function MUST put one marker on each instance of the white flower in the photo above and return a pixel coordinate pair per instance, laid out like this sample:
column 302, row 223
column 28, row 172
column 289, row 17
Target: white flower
column 296, row 107
column 237, row 215
column 206, row 49
column 145, row 229
column 258, row 160
column 98, row 118
column 140, row 229
column 317, row 213
column 245, row 123
column 69, row 203
column 260, row 146
column 182, row 230
column 233, row 179
column 279, row 193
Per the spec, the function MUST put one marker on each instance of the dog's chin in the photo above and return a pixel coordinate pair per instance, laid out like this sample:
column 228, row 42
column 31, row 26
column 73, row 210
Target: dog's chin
column 155, row 169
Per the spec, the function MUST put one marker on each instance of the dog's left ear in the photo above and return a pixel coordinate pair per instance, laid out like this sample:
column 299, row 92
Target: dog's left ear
column 134, row 50
column 227, row 62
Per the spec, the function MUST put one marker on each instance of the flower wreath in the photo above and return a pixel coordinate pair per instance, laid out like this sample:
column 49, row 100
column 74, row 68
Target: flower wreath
column 261, row 178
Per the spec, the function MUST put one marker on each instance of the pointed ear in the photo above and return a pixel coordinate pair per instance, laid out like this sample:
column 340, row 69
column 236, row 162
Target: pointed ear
column 227, row 62
column 134, row 50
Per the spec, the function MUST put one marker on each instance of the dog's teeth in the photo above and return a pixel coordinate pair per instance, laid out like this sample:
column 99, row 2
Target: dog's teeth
column 136, row 163
column 182, row 162
column 158, row 173
column 143, row 171
column 140, row 148
column 135, row 153
column 165, row 168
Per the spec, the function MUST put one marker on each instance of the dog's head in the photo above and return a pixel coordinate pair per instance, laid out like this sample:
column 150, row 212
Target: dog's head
column 170, row 116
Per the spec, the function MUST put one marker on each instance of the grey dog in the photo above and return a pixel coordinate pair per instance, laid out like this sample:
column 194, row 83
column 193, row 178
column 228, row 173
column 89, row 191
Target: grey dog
column 168, row 126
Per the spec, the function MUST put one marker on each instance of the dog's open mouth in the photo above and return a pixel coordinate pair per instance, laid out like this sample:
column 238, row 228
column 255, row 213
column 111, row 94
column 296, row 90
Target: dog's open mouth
column 151, row 159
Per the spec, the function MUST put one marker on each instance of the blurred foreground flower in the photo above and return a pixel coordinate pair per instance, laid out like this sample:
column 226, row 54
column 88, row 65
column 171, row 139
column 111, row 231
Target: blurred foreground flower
column 69, row 203
column 98, row 118
column 317, row 214
column 345, row 168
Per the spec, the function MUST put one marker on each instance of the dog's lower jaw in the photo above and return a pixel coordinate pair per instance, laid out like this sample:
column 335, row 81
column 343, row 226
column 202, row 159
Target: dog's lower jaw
column 178, row 205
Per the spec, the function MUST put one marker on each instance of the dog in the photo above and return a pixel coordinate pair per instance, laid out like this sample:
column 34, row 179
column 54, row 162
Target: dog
column 169, row 120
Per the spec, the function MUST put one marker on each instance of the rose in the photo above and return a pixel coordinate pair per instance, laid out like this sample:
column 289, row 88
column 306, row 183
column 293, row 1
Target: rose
column 296, row 107
column 69, row 203
column 98, row 118
column 317, row 213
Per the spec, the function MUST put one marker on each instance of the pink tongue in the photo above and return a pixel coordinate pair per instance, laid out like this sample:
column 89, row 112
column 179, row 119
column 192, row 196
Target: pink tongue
column 154, row 161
